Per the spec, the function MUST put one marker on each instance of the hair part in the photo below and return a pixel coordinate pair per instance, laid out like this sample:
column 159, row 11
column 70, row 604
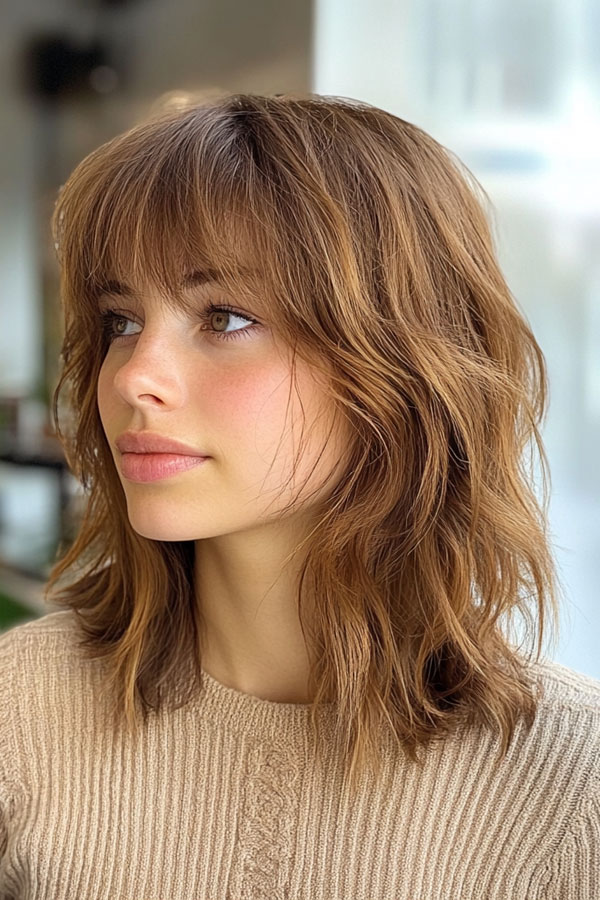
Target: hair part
column 368, row 244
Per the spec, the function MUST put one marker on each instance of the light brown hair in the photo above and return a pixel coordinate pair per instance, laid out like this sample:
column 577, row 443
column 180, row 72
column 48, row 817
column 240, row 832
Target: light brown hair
column 370, row 243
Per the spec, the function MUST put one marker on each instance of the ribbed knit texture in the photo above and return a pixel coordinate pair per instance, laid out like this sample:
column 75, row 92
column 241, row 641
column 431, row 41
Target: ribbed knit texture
column 218, row 800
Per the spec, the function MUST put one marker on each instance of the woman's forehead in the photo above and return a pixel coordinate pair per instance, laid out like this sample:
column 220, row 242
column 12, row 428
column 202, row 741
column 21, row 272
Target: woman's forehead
column 127, row 285
column 243, row 286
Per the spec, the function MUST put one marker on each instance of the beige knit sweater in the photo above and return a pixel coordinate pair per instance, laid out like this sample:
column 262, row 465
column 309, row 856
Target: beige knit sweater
column 217, row 801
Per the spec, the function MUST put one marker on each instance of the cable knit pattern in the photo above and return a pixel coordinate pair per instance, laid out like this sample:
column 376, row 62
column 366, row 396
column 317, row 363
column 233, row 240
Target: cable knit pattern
column 271, row 785
column 220, row 800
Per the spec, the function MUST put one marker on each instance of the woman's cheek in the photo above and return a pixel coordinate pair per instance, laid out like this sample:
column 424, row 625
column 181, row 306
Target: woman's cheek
column 249, row 408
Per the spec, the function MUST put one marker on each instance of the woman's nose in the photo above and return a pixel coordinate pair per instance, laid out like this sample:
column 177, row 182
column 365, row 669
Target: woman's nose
column 151, row 374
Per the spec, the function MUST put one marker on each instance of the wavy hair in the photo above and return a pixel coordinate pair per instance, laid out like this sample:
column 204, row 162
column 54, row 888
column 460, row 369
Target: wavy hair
column 378, row 267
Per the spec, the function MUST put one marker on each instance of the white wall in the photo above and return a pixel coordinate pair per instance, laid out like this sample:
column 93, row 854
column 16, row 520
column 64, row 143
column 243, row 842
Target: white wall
column 513, row 87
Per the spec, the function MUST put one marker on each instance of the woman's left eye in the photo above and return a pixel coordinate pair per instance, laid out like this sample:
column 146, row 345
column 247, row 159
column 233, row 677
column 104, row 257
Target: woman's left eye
column 111, row 318
column 212, row 310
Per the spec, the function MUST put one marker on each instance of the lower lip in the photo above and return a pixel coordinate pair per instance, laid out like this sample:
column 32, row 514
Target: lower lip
column 146, row 467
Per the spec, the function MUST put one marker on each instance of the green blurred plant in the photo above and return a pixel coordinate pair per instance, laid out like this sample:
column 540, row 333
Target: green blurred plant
column 12, row 612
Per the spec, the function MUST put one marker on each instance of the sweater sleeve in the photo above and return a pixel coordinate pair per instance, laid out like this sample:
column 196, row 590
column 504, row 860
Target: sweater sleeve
column 575, row 869
column 3, row 831
column 8, row 663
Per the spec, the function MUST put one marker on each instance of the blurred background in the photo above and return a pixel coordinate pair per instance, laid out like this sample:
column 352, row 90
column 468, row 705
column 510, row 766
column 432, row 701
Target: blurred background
column 511, row 86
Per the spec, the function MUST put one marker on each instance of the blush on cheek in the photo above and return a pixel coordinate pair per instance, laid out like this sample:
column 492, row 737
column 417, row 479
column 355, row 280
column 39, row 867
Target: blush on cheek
column 249, row 403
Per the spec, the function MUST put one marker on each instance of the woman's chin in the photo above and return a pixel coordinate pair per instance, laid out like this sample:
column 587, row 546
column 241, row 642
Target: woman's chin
column 162, row 531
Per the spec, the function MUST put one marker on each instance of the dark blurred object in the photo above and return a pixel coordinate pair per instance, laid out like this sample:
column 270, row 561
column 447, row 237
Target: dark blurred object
column 55, row 67
column 45, row 452
column 23, row 420
column 103, row 4
column 9, row 418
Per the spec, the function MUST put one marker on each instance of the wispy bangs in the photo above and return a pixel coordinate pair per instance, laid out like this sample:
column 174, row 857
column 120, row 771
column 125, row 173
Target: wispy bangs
column 159, row 205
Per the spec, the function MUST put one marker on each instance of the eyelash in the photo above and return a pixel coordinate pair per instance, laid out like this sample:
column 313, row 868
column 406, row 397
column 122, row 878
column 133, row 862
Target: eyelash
column 110, row 315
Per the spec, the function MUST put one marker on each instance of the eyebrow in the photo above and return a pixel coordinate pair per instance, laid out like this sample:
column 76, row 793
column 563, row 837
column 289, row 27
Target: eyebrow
column 193, row 279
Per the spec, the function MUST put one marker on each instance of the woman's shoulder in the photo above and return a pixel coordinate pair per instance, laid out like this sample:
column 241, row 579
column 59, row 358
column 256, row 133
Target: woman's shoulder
column 51, row 690
column 39, row 654
column 562, row 686
column 57, row 621
column 37, row 635
column 563, row 745
column 567, row 722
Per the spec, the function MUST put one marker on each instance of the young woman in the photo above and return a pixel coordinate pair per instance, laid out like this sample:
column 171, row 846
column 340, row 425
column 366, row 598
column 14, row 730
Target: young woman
column 299, row 396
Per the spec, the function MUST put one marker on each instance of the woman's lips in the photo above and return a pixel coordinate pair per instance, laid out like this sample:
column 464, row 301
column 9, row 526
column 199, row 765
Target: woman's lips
column 145, row 467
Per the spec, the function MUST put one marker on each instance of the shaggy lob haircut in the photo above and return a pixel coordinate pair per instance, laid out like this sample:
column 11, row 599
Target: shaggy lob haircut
column 369, row 244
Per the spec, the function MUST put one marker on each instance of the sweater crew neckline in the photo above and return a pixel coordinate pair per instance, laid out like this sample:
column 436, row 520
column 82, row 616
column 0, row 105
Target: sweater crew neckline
column 217, row 703
column 246, row 712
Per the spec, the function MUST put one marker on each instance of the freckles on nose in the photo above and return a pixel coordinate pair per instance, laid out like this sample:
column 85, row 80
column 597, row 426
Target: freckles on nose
column 138, row 375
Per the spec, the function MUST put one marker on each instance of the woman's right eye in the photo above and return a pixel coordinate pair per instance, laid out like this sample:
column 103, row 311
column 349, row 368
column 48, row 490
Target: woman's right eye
column 111, row 321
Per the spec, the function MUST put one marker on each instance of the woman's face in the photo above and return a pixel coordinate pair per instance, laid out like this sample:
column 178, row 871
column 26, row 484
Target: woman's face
column 221, row 385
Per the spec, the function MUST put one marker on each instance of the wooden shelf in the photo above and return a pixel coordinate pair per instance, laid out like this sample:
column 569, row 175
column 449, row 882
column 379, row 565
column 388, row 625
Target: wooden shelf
column 45, row 451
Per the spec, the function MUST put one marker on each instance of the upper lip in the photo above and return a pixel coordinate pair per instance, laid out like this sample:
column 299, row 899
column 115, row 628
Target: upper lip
column 148, row 442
